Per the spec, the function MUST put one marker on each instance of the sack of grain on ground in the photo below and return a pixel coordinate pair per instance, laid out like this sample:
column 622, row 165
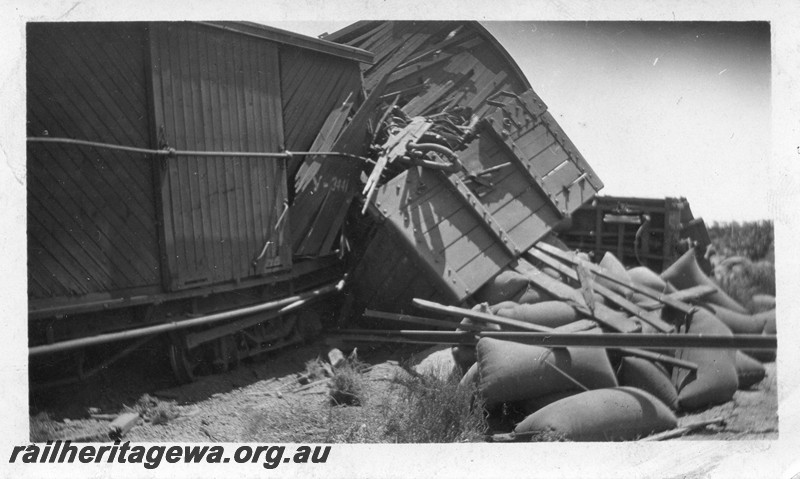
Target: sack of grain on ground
column 643, row 374
column 614, row 414
column 551, row 314
column 748, row 370
column 715, row 380
column 436, row 362
column 504, row 287
column 685, row 273
column 770, row 327
column 644, row 276
column 740, row 323
column 464, row 355
column 614, row 268
column 511, row 371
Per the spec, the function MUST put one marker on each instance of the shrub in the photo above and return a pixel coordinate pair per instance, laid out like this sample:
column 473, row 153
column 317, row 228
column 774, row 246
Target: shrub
column 432, row 410
column 347, row 384
column 754, row 240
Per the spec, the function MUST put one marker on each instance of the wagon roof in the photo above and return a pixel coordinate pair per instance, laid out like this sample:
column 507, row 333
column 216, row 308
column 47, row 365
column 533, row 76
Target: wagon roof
column 294, row 39
column 350, row 32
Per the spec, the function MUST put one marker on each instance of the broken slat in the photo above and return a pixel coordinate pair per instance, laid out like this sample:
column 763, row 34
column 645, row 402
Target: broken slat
column 341, row 180
column 602, row 313
column 122, row 424
column 395, row 146
column 683, row 430
column 457, row 38
column 647, row 316
column 599, row 271
column 330, row 130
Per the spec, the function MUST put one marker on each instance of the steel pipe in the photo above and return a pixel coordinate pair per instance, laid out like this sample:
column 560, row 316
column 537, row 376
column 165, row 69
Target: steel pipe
column 593, row 340
column 188, row 323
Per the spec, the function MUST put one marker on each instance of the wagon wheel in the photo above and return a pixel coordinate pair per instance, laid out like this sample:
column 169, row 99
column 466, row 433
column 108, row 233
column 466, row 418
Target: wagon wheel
column 226, row 354
column 183, row 361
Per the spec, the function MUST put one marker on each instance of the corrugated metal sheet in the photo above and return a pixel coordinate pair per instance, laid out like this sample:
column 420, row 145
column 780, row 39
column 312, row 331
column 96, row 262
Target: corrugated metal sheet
column 219, row 91
column 91, row 213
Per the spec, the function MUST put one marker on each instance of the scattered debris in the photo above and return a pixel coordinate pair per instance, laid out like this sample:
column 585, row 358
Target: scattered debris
column 122, row 424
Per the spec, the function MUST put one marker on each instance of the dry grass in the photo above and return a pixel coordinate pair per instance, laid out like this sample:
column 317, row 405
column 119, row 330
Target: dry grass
column 746, row 279
column 434, row 410
column 42, row 428
column 347, row 385
column 398, row 408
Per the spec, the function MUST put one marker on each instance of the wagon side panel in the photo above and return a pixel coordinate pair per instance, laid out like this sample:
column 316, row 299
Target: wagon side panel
column 218, row 91
column 91, row 212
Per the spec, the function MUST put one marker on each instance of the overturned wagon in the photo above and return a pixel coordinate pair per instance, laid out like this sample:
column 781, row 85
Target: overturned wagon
column 159, row 184
column 443, row 233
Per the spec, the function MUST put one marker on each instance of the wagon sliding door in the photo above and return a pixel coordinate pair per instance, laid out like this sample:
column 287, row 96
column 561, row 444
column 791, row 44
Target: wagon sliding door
column 219, row 91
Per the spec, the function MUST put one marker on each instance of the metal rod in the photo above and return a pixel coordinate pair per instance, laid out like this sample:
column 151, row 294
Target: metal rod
column 566, row 376
column 108, row 362
column 407, row 318
column 173, row 152
column 479, row 316
column 174, row 325
column 661, row 358
column 594, row 340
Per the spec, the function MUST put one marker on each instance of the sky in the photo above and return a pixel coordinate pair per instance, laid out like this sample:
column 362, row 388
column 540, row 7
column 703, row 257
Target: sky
column 657, row 108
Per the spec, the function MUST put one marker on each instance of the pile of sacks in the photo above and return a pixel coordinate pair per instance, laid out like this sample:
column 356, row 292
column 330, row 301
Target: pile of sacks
column 594, row 394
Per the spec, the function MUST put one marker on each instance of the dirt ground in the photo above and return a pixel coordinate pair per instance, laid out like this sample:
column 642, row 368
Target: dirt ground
column 263, row 401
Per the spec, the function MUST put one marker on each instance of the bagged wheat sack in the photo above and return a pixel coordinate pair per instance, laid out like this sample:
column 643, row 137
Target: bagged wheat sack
column 642, row 374
column 551, row 314
column 716, row 379
column 505, row 286
column 464, row 355
column 510, row 371
column 614, row 414
column 749, row 370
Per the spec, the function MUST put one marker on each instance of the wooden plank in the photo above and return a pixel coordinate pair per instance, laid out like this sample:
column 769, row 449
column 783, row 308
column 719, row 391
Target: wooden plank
column 626, row 283
column 214, row 141
column 330, row 130
column 342, row 176
column 572, row 150
column 652, row 319
column 601, row 313
column 198, row 123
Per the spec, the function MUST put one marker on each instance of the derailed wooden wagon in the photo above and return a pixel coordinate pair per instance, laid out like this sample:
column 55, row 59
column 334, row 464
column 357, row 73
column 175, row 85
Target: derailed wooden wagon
column 159, row 183
column 443, row 233
column 650, row 232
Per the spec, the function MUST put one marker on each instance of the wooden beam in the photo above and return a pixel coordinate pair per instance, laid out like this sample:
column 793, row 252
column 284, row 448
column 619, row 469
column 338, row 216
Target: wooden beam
column 649, row 317
column 602, row 313
column 599, row 271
